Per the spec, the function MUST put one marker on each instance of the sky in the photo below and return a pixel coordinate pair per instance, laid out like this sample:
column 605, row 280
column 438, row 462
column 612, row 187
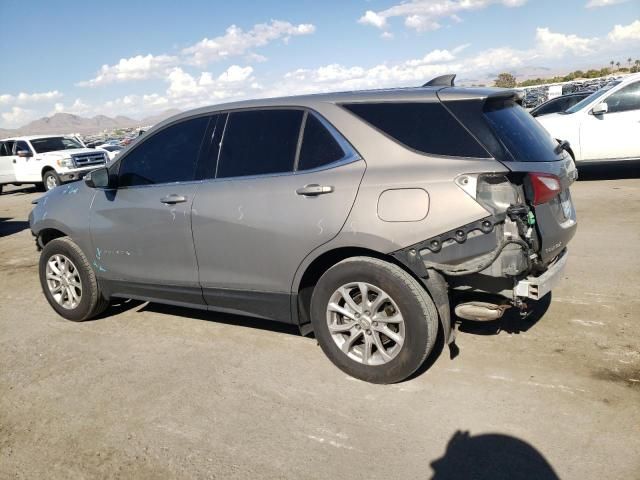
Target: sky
column 125, row 58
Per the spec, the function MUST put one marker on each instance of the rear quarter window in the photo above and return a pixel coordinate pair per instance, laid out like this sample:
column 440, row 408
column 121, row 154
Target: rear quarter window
column 425, row 127
column 524, row 138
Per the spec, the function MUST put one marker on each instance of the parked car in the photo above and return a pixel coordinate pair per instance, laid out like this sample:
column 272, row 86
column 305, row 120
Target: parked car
column 46, row 161
column 559, row 104
column 112, row 150
column 359, row 216
column 603, row 126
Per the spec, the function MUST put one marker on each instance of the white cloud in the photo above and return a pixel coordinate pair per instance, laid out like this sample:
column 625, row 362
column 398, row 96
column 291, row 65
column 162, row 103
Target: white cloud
column 17, row 117
column 603, row 3
column 140, row 67
column 423, row 15
column 555, row 45
column 621, row 33
column 236, row 41
column 25, row 98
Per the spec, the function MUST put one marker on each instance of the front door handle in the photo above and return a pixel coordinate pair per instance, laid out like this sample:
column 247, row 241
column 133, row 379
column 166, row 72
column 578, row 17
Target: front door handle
column 313, row 190
column 173, row 199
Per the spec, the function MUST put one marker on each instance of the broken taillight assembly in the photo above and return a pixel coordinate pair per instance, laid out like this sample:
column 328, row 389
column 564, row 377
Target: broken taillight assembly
column 544, row 186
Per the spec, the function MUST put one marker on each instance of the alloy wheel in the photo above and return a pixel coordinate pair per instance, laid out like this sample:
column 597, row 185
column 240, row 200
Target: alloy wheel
column 365, row 323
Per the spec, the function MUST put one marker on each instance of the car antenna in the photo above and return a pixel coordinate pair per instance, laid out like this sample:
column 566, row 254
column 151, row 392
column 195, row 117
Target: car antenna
column 441, row 81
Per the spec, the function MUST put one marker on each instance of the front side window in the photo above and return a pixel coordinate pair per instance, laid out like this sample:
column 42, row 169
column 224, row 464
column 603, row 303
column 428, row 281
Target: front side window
column 54, row 144
column 625, row 99
column 259, row 142
column 426, row 127
column 21, row 146
column 171, row 155
column 319, row 147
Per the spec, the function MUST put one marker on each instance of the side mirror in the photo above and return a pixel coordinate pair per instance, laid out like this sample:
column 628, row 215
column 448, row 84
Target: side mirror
column 600, row 109
column 24, row 154
column 98, row 178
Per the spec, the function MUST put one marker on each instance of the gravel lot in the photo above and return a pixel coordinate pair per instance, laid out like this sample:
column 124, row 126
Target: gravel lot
column 150, row 391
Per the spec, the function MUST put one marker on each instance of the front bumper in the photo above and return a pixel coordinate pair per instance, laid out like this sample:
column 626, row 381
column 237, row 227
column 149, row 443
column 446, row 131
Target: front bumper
column 78, row 173
column 537, row 287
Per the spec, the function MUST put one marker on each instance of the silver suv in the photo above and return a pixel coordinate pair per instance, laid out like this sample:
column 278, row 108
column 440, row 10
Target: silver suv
column 358, row 216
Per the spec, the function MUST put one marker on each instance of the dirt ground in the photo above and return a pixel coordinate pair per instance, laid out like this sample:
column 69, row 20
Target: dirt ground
column 149, row 391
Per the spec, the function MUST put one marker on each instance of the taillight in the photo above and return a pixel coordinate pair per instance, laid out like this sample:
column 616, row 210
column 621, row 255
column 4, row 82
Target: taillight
column 545, row 187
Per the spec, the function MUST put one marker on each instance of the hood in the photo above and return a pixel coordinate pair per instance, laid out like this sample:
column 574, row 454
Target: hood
column 69, row 153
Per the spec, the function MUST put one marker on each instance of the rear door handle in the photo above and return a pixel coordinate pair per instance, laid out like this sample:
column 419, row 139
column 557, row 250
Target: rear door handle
column 313, row 190
column 173, row 199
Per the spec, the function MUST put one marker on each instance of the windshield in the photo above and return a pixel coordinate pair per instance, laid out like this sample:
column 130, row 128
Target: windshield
column 597, row 94
column 53, row 144
column 520, row 133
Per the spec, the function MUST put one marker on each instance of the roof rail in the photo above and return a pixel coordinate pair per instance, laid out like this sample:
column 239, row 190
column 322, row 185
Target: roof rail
column 441, row 81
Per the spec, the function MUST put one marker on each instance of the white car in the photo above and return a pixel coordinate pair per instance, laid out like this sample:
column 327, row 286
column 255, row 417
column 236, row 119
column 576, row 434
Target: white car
column 47, row 160
column 605, row 126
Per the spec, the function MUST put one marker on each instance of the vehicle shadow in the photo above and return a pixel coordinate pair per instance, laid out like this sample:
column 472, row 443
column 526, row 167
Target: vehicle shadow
column 609, row 170
column 9, row 226
column 226, row 318
column 513, row 321
column 21, row 190
column 491, row 456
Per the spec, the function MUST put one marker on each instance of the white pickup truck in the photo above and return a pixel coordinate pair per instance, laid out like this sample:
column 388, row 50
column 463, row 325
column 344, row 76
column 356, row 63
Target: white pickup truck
column 46, row 160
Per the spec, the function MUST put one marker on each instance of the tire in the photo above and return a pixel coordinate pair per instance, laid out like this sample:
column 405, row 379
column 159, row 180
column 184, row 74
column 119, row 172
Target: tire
column 1, row 186
column 90, row 301
column 417, row 330
column 50, row 180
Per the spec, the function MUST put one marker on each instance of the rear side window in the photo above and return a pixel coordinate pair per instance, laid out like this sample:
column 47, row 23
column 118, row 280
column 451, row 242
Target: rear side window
column 426, row 127
column 170, row 155
column 259, row 142
column 524, row 138
column 5, row 149
column 319, row 147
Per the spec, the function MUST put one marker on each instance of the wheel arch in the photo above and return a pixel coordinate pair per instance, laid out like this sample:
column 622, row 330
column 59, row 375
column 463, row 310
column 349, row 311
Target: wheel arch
column 47, row 234
column 46, row 169
column 435, row 285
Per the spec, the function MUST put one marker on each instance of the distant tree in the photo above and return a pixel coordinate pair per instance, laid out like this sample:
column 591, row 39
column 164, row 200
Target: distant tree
column 629, row 61
column 612, row 63
column 618, row 65
column 505, row 80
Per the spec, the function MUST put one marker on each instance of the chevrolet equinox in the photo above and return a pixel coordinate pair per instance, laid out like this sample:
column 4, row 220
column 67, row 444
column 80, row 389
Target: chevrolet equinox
column 357, row 216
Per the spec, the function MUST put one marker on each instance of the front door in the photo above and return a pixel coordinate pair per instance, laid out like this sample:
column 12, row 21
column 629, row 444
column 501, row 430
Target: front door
column 141, row 231
column 269, row 207
column 615, row 134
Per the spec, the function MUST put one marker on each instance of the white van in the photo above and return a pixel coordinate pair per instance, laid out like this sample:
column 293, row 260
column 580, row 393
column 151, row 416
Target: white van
column 46, row 160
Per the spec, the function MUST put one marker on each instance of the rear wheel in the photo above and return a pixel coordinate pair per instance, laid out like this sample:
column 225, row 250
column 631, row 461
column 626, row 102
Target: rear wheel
column 50, row 180
column 68, row 281
column 373, row 320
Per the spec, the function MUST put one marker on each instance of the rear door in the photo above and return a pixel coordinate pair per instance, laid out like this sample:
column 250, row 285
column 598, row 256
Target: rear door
column 613, row 135
column 141, row 231
column 284, row 184
column 7, row 162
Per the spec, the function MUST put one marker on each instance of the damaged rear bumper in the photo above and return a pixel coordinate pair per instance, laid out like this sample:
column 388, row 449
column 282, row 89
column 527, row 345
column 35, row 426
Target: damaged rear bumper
column 537, row 287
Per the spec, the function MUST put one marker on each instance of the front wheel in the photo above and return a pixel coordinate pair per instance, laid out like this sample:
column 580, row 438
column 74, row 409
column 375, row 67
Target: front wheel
column 68, row 281
column 373, row 320
column 50, row 180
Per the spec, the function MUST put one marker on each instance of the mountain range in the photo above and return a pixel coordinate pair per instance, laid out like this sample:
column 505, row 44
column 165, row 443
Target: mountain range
column 69, row 123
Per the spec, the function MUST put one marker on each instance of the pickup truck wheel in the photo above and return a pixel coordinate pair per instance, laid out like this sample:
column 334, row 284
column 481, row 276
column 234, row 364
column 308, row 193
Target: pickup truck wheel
column 50, row 180
column 373, row 320
column 68, row 281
